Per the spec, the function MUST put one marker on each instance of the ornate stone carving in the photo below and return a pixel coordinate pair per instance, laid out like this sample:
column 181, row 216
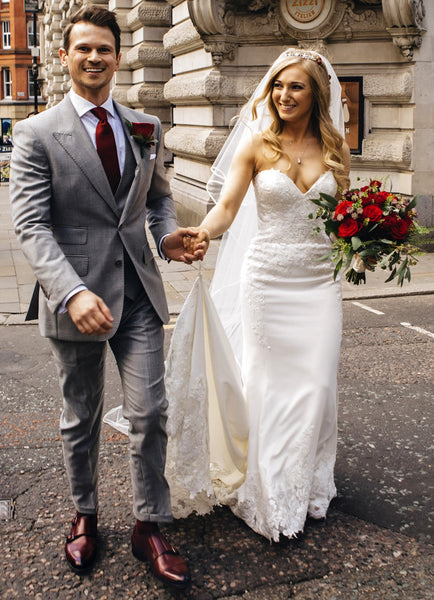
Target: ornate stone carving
column 220, row 50
column 212, row 17
column 215, row 22
column 320, row 27
column 404, row 22
column 364, row 20
column 404, row 13
column 255, row 5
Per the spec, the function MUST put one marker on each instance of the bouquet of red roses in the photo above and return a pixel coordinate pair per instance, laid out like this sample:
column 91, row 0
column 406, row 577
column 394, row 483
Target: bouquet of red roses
column 369, row 228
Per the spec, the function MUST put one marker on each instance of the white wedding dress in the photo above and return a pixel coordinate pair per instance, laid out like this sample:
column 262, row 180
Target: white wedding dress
column 292, row 322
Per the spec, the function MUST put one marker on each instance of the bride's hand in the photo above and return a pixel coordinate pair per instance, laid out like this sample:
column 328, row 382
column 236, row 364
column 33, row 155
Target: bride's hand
column 198, row 244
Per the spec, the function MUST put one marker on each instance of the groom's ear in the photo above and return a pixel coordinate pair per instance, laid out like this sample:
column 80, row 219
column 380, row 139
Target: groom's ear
column 63, row 57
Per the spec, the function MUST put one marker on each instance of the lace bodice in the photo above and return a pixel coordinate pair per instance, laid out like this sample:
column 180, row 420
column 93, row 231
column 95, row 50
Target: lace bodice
column 283, row 209
column 285, row 238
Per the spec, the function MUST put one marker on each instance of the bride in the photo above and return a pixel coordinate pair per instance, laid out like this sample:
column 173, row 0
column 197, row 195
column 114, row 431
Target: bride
column 274, row 373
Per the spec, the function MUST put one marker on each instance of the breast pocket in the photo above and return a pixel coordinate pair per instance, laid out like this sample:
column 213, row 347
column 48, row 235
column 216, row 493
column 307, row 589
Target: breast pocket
column 70, row 235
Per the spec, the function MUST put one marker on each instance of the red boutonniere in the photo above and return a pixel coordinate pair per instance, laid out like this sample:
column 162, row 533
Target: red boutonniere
column 142, row 134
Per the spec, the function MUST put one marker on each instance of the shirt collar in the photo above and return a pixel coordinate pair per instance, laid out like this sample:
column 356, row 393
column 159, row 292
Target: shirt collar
column 82, row 106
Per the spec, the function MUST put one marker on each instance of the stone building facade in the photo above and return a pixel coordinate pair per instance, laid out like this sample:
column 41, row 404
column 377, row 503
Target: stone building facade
column 195, row 62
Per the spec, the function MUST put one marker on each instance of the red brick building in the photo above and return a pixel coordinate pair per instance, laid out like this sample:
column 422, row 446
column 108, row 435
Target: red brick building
column 17, row 46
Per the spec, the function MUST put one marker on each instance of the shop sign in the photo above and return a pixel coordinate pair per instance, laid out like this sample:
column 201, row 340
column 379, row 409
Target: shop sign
column 31, row 6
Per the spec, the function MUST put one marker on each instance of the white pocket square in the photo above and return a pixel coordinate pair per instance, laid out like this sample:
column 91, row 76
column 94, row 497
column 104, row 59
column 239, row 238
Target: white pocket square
column 152, row 156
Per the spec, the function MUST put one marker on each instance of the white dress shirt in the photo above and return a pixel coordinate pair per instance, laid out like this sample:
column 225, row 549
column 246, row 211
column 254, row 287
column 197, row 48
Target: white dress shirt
column 90, row 121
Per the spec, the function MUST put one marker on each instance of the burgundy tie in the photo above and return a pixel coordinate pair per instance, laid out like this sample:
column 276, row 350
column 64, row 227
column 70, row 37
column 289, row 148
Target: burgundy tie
column 106, row 147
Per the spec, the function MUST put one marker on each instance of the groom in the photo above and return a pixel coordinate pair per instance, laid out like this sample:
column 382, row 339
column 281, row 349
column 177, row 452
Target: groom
column 81, row 189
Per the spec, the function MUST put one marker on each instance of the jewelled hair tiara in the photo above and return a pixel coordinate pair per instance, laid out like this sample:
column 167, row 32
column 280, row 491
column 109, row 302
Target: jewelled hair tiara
column 304, row 54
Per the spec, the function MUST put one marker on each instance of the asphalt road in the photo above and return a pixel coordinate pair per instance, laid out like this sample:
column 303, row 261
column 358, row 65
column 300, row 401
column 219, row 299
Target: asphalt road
column 376, row 542
column 386, row 393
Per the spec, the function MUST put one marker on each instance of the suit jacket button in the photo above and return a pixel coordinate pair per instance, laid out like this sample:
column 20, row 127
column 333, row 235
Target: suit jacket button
column 118, row 263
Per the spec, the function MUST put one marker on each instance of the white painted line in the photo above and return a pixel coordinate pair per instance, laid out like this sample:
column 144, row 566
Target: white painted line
column 418, row 329
column 372, row 310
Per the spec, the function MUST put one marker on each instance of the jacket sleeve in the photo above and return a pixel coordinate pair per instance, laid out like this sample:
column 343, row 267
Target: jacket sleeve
column 30, row 196
column 161, row 215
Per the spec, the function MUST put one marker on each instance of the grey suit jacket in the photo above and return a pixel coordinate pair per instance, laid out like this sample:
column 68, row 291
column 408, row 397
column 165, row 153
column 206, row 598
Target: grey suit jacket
column 67, row 220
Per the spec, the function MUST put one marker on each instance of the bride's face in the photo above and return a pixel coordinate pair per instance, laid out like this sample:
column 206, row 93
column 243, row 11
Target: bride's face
column 292, row 94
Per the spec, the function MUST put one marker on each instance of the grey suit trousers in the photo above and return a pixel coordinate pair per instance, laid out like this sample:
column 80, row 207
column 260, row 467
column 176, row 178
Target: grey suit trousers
column 138, row 349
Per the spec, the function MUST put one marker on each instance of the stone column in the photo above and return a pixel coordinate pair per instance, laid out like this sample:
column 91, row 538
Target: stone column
column 56, row 13
column 145, row 65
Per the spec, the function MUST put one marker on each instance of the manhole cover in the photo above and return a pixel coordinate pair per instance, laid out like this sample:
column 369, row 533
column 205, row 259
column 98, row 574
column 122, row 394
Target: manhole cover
column 7, row 508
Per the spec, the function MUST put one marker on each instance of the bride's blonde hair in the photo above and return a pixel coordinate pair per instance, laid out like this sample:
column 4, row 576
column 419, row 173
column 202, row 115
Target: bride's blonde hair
column 329, row 138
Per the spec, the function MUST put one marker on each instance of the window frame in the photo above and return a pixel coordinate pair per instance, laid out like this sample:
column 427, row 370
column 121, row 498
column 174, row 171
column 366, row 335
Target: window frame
column 7, row 82
column 6, row 35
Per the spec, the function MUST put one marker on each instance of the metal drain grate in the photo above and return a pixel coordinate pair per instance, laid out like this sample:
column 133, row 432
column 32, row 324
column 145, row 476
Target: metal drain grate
column 7, row 509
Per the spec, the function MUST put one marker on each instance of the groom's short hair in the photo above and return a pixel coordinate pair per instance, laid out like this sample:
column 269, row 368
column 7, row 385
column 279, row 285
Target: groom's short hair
column 96, row 15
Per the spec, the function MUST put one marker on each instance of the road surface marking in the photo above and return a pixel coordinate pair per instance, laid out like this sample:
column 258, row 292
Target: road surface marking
column 377, row 312
column 418, row 329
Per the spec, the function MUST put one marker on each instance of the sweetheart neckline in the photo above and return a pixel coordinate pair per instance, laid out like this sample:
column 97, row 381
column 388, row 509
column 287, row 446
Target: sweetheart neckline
column 292, row 181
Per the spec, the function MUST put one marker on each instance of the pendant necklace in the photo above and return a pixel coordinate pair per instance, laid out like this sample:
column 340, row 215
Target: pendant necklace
column 300, row 156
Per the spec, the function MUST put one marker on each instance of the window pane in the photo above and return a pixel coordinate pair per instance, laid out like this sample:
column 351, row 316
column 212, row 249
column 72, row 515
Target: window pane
column 30, row 86
column 7, row 82
column 31, row 41
column 6, row 30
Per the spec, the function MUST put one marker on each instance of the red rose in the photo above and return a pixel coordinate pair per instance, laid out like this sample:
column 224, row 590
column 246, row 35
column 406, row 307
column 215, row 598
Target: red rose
column 348, row 228
column 144, row 129
column 381, row 197
column 373, row 213
column 341, row 208
column 375, row 184
column 142, row 134
column 398, row 229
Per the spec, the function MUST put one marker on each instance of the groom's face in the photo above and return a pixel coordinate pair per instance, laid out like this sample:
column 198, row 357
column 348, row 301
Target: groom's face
column 91, row 60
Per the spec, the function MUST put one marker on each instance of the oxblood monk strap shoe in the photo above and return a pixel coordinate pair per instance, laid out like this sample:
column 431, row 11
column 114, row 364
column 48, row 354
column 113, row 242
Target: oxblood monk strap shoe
column 148, row 543
column 80, row 547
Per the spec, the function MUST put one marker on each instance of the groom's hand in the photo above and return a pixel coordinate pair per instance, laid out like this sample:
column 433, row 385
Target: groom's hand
column 175, row 248
column 90, row 313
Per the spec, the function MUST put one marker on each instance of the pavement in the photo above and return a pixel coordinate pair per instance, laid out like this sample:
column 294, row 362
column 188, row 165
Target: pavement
column 355, row 554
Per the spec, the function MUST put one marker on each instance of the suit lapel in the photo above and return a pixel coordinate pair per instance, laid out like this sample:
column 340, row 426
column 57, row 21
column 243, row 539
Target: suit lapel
column 135, row 147
column 140, row 162
column 75, row 140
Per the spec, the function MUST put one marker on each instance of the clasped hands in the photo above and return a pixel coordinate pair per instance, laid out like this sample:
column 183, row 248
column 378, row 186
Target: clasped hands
column 186, row 244
column 90, row 313
column 196, row 242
